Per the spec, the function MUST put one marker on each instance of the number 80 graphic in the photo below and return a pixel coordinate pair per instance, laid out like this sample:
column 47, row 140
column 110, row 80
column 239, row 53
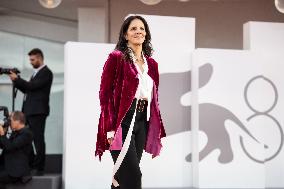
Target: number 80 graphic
column 264, row 115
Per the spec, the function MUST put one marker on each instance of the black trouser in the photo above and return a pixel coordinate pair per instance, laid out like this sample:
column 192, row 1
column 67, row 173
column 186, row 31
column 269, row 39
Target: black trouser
column 37, row 126
column 129, row 174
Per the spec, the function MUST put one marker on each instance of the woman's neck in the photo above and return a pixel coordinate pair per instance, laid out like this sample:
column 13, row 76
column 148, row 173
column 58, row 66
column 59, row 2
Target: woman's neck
column 137, row 50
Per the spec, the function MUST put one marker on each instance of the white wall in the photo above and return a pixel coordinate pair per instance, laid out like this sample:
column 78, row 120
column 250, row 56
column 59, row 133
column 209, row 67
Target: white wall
column 83, row 67
column 245, row 91
column 267, row 40
column 92, row 25
column 223, row 113
column 264, row 37
column 60, row 31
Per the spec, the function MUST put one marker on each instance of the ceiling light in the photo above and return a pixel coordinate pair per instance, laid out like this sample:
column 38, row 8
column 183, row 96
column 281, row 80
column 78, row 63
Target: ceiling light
column 50, row 4
column 279, row 4
column 150, row 2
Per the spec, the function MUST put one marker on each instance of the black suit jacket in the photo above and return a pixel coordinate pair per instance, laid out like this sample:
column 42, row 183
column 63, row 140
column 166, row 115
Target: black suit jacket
column 16, row 151
column 37, row 92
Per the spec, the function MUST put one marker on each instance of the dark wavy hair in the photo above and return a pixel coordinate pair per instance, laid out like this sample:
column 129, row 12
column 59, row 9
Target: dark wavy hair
column 122, row 42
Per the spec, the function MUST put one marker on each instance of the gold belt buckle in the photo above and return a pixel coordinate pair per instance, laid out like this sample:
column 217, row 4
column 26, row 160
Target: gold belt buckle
column 141, row 105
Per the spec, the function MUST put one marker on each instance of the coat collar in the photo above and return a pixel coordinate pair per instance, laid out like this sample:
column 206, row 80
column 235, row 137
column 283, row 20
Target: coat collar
column 134, row 71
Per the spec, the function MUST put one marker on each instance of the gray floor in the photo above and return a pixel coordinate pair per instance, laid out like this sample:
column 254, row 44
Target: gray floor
column 49, row 181
column 54, row 181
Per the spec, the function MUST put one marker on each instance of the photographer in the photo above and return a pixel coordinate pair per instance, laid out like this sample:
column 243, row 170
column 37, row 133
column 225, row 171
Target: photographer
column 16, row 150
column 36, row 105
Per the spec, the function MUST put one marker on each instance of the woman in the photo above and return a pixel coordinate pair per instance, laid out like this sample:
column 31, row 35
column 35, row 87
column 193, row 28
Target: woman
column 130, row 119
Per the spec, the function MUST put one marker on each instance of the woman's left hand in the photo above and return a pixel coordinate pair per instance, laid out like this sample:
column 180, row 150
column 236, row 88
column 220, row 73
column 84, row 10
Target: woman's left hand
column 109, row 140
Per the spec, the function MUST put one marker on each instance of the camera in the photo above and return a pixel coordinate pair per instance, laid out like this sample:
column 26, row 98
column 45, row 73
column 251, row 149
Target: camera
column 6, row 119
column 9, row 70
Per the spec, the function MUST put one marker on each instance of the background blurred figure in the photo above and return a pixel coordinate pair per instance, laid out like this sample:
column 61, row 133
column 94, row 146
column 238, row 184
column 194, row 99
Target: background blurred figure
column 36, row 104
column 14, row 164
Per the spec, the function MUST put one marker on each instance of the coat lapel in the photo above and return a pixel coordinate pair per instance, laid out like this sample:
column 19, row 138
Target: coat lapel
column 132, row 72
column 151, row 69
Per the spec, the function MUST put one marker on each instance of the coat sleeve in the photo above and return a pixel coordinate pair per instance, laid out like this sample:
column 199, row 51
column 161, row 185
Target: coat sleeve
column 106, row 92
column 35, row 84
column 106, row 121
column 162, row 131
column 18, row 85
column 17, row 143
column 156, row 129
column 107, row 79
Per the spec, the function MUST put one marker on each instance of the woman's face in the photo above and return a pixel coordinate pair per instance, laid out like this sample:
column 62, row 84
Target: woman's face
column 135, row 33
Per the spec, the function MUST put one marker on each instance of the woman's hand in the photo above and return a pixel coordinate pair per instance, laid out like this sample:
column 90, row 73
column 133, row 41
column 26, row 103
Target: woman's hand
column 110, row 136
column 109, row 140
column 2, row 131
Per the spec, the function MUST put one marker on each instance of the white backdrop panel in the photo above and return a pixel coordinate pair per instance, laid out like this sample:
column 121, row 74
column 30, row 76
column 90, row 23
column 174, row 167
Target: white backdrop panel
column 267, row 39
column 223, row 114
column 83, row 68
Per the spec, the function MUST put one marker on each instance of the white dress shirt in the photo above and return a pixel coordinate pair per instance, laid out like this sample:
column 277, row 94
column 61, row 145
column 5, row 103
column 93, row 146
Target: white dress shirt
column 37, row 70
column 145, row 85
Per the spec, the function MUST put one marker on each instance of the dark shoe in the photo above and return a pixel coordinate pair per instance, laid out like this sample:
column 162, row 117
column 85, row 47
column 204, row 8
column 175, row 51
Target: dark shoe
column 36, row 172
column 26, row 179
column 113, row 187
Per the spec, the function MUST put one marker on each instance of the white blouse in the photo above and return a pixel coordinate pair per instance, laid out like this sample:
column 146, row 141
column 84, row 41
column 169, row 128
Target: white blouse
column 145, row 85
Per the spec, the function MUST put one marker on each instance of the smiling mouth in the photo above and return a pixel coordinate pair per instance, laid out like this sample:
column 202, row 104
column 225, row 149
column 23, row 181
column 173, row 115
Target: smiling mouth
column 138, row 37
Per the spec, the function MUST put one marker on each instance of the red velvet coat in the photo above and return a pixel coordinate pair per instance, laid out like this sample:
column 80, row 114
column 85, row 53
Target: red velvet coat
column 119, row 82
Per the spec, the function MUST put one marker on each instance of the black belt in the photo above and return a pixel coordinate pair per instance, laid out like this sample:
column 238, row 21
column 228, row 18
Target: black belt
column 142, row 105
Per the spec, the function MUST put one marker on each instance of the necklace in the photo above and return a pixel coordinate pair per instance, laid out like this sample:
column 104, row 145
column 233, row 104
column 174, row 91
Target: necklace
column 139, row 60
column 144, row 86
column 134, row 58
